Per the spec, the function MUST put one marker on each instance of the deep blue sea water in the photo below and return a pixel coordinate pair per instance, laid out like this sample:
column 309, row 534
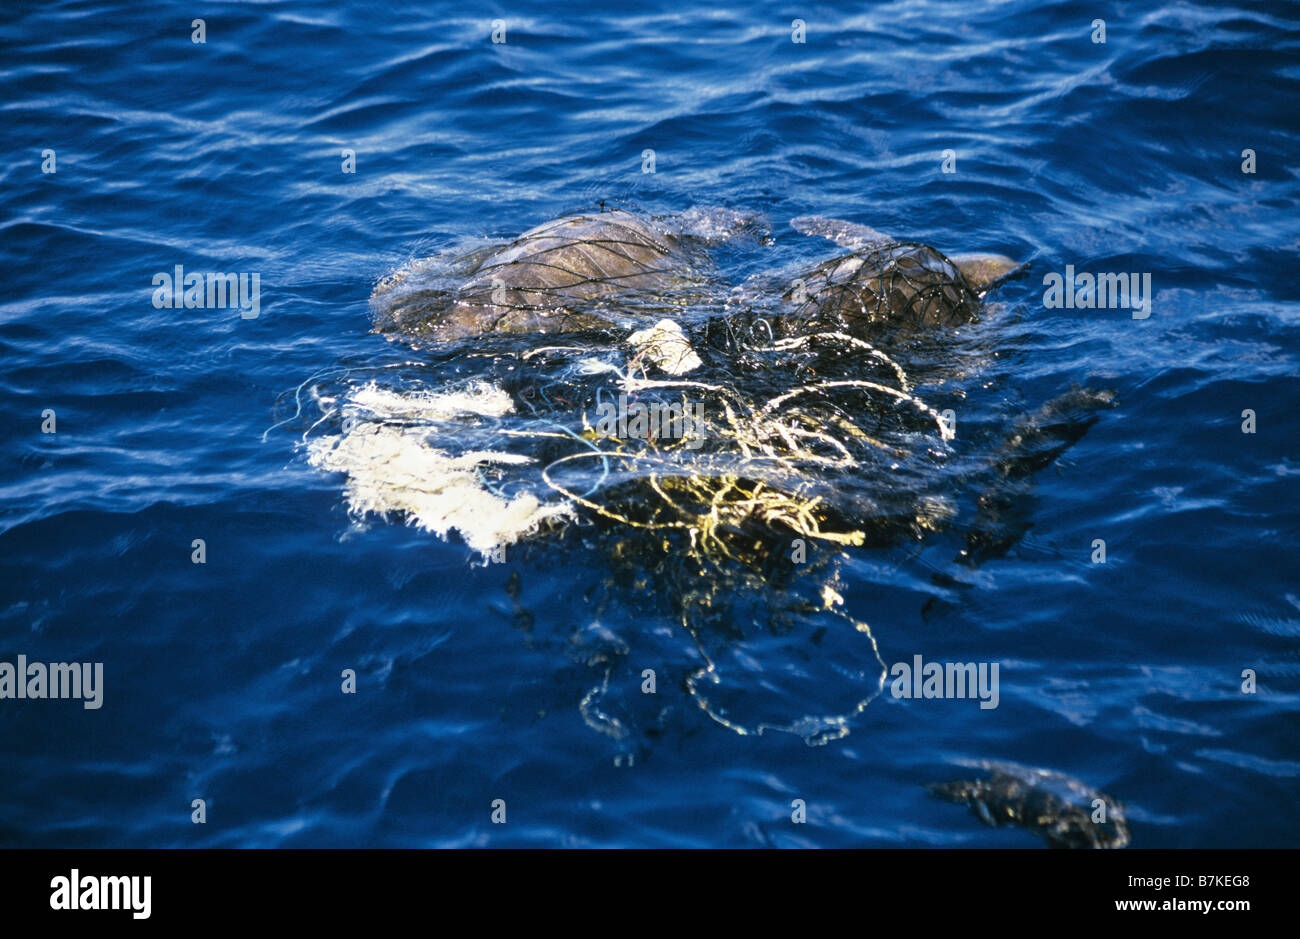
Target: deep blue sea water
column 222, row 680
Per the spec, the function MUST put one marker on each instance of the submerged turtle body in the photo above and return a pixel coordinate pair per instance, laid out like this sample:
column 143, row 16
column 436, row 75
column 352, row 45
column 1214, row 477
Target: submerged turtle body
column 1066, row 812
column 562, row 275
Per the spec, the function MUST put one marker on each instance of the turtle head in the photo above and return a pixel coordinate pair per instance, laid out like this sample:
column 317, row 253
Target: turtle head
column 984, row 271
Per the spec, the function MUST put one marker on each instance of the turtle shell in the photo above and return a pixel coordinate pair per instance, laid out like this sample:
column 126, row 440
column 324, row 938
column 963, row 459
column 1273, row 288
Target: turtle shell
column 884, row 291
column 577, row 272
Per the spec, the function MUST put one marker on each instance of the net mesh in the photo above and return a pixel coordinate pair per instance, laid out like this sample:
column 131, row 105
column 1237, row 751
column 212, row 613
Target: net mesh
column 882, row 292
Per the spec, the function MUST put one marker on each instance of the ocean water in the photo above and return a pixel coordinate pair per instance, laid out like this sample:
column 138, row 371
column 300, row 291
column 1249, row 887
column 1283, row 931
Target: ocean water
column 222, row 680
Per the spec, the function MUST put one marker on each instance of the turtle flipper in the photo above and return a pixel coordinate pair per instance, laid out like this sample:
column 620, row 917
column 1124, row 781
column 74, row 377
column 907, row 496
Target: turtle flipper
column 983, row 271
column 1035, row 443
column 1039, row 438
column 849, row 235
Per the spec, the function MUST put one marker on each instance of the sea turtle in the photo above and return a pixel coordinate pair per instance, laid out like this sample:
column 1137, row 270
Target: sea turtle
column 887, row 289
column 1066, row 812
column 586, row 271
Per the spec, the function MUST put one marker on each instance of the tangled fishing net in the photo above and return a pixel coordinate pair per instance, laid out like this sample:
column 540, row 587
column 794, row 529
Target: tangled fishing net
column 726, row 458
